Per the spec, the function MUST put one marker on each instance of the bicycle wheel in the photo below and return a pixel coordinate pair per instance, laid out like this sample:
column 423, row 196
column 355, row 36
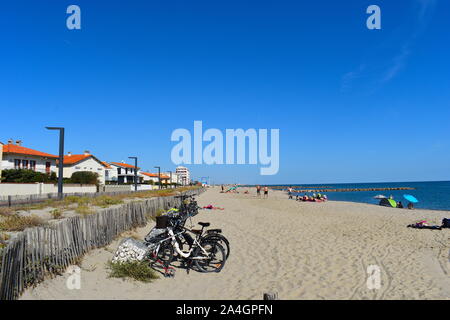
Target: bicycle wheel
column 221, row 239
column 212, row 259
column 164, row 256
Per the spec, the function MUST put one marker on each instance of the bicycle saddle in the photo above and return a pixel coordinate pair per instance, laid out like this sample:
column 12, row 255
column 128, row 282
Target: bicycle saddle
column 204, row 224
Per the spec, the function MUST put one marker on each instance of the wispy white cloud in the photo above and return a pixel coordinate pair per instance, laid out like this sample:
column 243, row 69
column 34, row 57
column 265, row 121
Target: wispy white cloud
column 424, row 10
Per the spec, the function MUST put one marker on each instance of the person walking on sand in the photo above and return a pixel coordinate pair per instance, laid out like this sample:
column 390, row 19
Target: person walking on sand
column 290, row 192
column 258, row 191
column 266, row 192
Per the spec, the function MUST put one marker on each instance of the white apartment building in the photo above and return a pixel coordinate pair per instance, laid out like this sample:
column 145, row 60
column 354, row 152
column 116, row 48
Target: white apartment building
column 184, row 176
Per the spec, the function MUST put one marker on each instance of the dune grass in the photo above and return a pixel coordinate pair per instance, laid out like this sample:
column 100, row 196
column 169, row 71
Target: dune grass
column 85, row 205
column 84, row 210
column 19, row 223
column 136, row 270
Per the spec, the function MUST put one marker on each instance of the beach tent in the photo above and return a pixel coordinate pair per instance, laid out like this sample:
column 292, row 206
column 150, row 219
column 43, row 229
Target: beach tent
column 388, row 203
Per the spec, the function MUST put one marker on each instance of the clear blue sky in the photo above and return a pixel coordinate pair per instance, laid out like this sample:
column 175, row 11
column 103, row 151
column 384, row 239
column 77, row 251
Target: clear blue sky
column 351, row 104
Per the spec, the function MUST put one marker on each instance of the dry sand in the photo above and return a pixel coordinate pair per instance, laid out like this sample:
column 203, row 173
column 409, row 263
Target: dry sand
column 300, row 250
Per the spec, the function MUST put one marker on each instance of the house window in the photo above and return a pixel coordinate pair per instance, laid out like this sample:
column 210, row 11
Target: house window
column 119, row 170
column 24, row 164
column 47, row 167
column 126, row 171
column 33, row 165
column 16, row 163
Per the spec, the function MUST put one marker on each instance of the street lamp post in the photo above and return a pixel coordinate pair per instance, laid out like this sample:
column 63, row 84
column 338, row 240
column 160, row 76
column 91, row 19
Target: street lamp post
column 159, row 176
column 135, row 173
column 61, row 159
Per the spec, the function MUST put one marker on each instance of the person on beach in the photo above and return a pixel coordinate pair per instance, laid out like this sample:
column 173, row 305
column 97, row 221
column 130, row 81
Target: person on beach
column 410, row 206
column 399, row 205
column 266, row 192
column 258, row 191
column 290, row 192
column 222, row 188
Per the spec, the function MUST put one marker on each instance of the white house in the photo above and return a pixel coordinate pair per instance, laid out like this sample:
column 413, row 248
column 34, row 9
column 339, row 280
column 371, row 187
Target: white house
column 147, row 176
column 124, row 172
column 110, row 173
column 15, row 156
column 84, row 162
column 173, row 177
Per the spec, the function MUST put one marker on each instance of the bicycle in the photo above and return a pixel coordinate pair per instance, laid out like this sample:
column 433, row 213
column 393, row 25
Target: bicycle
column 187, row 211
column 206, row 255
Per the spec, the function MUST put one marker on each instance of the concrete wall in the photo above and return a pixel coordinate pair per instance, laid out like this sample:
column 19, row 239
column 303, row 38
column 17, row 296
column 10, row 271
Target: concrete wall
column 14, row 189
column 115, row 188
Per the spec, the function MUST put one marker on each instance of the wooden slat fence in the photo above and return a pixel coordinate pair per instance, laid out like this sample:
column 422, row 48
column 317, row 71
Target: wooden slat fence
column 45, row 251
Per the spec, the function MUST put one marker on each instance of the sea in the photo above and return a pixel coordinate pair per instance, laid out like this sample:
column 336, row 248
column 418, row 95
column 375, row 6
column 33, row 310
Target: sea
column 431, row 194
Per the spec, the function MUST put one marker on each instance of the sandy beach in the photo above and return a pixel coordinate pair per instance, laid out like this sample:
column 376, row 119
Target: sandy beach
column 300, row 250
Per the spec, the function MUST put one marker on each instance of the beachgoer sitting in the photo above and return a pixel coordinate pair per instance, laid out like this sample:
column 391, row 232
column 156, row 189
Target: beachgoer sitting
column 399, row 205
column 410, row 205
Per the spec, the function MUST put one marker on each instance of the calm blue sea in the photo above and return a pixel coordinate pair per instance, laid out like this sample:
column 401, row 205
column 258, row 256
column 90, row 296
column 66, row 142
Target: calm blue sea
column 431, row 195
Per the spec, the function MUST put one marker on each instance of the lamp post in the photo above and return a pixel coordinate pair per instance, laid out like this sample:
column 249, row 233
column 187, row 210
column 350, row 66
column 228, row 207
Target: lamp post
column 135, row 172
column 159, row 176
column 61, row 159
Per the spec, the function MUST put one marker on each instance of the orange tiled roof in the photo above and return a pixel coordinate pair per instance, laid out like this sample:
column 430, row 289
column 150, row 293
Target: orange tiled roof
column 148, row 174
column 106, row 164
column 74, row 158
column 155, row 175
column 12, row 148
column 124, row 165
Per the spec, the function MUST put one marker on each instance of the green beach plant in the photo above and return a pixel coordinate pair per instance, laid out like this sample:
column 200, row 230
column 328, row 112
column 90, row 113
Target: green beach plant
column 137, row 270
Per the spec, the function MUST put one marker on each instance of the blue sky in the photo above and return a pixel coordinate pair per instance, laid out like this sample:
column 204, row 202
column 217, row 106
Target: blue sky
column 352, row 104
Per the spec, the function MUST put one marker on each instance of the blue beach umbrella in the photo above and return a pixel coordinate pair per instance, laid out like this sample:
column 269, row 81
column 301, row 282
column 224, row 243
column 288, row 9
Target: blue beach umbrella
column 410, row 198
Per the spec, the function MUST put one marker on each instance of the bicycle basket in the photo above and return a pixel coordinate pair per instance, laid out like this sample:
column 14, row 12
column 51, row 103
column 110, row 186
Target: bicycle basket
column 162, row 222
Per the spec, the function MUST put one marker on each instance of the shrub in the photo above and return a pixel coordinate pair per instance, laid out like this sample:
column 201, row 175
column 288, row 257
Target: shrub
column 56, row 213
column 105, row 201
column 137, row 270
column 27, row 176
column 20, row 223
column 85, row 177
